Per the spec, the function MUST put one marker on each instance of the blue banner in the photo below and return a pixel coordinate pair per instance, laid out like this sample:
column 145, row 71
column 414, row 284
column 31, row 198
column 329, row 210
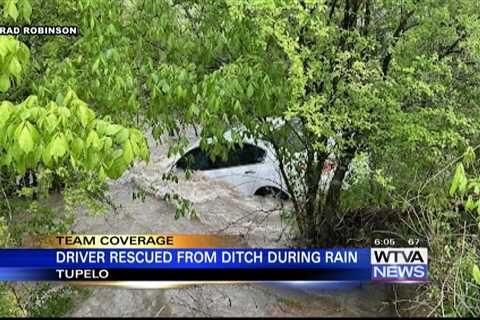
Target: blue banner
column 218, row 264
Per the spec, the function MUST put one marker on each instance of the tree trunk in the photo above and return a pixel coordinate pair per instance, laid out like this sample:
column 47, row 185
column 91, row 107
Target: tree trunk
column 328, row 211
column 313, row 175
column 321, row 210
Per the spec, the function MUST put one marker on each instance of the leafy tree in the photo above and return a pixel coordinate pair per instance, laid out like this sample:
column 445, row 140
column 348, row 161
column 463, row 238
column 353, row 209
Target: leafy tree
column 395, row 81
column 60, row 134
column 466, row 291
column 14, row 54
column 105, row 65
column 41, row 138
column 371, row 76
column 69, row 135
column 44, row 138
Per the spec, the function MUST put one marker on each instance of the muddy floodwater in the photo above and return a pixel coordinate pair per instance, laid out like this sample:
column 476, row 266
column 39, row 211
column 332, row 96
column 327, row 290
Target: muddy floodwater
column 221, row 210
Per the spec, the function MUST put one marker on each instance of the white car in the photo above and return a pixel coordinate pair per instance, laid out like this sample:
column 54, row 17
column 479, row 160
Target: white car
column 252, row 168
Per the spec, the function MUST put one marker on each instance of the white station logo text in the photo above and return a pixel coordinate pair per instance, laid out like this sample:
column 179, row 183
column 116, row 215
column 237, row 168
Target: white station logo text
column 399, row 264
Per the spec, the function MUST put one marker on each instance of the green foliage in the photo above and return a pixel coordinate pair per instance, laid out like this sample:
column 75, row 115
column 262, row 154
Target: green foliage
column 34, row 218
column 183, row 207
column 459, row 180
column 14, row 56
column 17, row 9
column 104, row 66
column 66, row 135
column 4, row 234
column 470, row 188
column 452, row 231
column 371, row 76
column 476, row 274
column 38, row 300
column 452, row 288
column 52, row 141
column 396, row 81
column 8, row 303
column 50, row 301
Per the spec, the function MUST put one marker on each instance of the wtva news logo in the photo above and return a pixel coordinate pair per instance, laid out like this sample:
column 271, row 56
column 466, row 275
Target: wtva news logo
column 399, row 264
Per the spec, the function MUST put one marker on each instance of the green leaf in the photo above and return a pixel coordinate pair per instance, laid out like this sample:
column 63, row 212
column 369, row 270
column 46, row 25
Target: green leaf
column 59, row 147
column 3, row 46
column 77, row 147
column 122, row 135
column 27, row 10
column 47, row 156
column 23, row 54
column 85, row 114
column 95, row 65
column 476, row 274
column 469, row 156
column 25, row 139
column 93, row 140
column 237, row 107
column 107, row 143
column 117, row 153
column 250, row 91
column 31, row 160
column 6, row 160
column 117, row 168
column 4, row 83
column 6, row 109
column 15, row 68
column 11, row 10
column 113, row 129
column 51, row 123
column 194, row 109
column 30, row 101
column 470, row 204
column 21, row 166
column 128, row 155
column 101, row 174
column 459, row 181
column 92, row 160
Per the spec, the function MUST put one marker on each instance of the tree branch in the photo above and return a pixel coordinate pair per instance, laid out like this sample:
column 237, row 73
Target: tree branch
column 332, row 11
column 452, row 48
column 367, row 18
column 402, row 28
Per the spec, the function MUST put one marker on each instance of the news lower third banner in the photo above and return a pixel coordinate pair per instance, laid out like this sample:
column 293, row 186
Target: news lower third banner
column 202, row 259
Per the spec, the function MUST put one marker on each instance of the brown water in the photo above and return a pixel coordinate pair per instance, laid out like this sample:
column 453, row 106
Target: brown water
column 155, row 216
column 220, row 210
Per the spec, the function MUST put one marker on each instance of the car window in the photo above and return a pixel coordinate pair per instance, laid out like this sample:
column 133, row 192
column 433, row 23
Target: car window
column 251, row 154
column 240, row 156
column 195, row 159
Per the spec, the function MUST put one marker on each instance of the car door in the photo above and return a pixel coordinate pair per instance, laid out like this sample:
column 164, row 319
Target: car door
column 243, row 168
